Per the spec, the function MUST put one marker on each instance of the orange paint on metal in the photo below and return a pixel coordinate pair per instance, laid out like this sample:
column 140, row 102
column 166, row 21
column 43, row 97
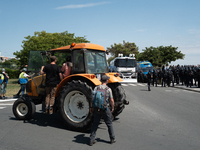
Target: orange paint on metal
column 81, row 46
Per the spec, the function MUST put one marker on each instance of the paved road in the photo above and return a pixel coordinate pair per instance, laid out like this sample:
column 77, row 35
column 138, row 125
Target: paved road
column 162, row 119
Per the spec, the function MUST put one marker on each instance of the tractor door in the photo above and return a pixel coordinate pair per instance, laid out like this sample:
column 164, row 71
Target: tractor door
column 37, row 59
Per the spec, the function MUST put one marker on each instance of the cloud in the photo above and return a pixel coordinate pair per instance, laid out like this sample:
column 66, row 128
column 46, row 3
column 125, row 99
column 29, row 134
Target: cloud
column 141, row 30
column 193, row 31
column 81, row 5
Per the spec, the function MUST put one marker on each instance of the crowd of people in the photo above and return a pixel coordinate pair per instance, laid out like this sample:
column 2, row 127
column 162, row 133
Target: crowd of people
column 174, row 75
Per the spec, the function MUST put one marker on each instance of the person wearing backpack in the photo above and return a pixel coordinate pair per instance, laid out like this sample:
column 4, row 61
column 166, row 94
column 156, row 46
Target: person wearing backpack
column 23, row 79
column 4, row 82
column 104, row 111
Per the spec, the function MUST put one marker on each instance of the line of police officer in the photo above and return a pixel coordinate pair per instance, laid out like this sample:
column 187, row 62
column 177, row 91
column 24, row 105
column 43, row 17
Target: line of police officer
column 185, row 75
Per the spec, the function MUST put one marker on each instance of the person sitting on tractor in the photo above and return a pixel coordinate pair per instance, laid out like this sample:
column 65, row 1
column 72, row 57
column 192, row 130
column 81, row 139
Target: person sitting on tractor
column 66, row 68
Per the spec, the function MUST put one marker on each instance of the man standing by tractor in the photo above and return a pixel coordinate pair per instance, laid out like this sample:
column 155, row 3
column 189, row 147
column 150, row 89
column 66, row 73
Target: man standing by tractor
column 105, row 113
column 53, row 77
column 23, row 79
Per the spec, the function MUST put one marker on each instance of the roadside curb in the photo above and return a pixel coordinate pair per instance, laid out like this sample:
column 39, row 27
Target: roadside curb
column 189, row 89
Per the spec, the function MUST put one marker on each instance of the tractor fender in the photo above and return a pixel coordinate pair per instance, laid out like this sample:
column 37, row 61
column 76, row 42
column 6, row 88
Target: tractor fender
column 88, row 77
column 113, row 77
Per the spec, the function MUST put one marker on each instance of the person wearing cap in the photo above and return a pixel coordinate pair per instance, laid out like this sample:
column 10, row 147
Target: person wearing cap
column 53, row 77
column 23, row 79
column 4, row 82
column 106, row 114
column 20, row 90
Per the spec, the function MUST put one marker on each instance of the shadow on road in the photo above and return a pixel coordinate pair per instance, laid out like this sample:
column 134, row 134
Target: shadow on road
column 54, row 120
column 44, row 120
column 81, row 139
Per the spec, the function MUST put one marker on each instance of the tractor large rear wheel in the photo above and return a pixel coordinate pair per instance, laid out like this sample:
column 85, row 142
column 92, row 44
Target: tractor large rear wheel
column 119, row 97
column 74, row 104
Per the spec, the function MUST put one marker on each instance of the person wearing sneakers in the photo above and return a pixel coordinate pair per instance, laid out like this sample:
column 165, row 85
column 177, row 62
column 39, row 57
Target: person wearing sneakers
column 53, row 77
column 106, row 114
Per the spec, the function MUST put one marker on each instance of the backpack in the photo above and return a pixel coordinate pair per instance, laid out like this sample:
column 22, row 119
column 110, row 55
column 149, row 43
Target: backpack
column 99, row 98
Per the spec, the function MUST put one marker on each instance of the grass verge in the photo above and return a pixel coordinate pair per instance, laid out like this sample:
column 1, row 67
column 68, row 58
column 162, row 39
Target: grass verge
column 12, row 87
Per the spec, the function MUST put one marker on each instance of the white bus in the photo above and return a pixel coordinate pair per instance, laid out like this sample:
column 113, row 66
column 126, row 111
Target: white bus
column 125, row 66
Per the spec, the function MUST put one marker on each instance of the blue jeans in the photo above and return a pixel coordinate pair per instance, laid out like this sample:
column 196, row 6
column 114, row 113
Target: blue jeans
column 108, row 120
column 3, row 88
column 23, row 86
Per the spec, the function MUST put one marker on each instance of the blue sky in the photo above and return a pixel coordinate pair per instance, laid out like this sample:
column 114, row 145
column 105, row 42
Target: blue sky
column 144, row 22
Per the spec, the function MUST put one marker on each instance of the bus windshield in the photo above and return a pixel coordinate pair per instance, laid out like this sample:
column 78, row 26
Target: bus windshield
column 125, row 62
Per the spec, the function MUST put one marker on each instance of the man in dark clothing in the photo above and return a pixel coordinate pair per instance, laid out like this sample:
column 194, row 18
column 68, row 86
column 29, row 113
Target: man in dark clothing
column 155, row 76
column 53, row 77
column 149, row 77
column 106, row 114
column 198, row 76
column 163, row 77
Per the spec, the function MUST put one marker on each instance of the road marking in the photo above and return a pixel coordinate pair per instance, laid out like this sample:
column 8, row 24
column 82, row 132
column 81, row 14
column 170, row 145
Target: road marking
column 8, row 100
column 141, row 84
column 2, row 107
column 125, row 84
column 5, row 104
column 132, row 84
column 168, row 90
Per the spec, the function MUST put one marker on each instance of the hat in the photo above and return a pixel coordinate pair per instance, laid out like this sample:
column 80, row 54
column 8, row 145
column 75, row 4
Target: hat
column 3, row 70
column 24, row 69
column 104, row 77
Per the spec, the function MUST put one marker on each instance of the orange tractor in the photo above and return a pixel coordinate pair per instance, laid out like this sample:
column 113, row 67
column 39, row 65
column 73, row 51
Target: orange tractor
column 74, row 92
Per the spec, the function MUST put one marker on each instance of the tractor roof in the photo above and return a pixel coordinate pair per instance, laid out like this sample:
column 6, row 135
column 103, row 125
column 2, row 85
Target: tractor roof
column 81, row 46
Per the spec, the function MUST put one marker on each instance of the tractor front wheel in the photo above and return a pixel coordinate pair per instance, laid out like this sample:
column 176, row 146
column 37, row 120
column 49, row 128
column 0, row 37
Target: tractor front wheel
column 23, row 109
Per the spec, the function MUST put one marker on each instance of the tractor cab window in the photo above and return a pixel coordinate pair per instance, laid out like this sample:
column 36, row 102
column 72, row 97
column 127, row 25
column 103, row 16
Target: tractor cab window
column 78, row 62
column 96, row 62
column 36, row 60
column 61, row 57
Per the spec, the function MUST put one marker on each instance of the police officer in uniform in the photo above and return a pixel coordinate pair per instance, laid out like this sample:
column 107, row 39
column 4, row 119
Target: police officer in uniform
column 198, row 76
column 155, row 76
column 149, row 77
column 163, row 77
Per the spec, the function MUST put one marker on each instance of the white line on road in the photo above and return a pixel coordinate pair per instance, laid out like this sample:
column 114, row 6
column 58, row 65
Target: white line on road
column 141, row 84
column 2, row 107
column 7, row 100
column 124, row 84
column 168, row 90
column 132, row 84
column 5, row 104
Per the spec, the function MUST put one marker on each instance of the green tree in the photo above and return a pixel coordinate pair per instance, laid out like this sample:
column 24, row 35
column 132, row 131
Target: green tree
column 45, row 41
column 126, row 48
column 161, row 55
column 11, row 63
column 110, row 59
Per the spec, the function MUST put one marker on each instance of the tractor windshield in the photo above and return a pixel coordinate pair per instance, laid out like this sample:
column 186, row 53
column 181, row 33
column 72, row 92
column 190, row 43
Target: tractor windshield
column 96, row 62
